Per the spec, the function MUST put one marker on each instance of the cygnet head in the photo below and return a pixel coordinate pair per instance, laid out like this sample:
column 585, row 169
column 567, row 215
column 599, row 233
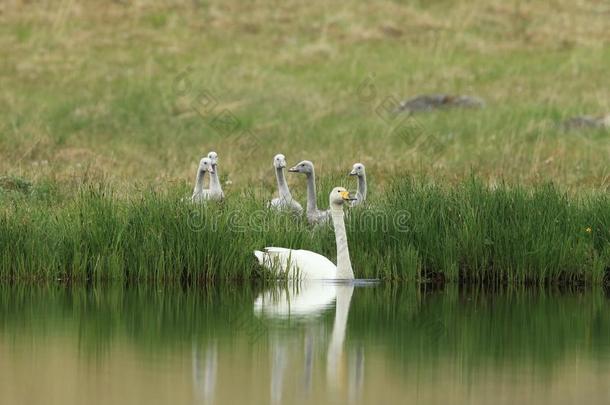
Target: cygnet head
column 357, row 170
column 205, row 165
column 305, row 167
column 279, row 161
column 338, row 197
column 213, row 158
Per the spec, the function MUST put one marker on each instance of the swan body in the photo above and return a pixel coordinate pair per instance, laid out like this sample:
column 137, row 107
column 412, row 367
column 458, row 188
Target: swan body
column 304, row 264
column 314, row 215
column 201, row 194
column 215, row 192
column 284, row 202
column 318, row 217
column 293, row 260
column 358, row 170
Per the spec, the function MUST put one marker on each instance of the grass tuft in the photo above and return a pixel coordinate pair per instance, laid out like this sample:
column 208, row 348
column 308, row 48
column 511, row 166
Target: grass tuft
column 417, row 231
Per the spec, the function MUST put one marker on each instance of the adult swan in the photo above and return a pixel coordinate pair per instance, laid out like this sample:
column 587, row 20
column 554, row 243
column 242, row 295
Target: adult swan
column 304, row 264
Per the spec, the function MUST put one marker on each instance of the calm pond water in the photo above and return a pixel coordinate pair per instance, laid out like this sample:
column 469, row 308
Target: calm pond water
column 325, row 344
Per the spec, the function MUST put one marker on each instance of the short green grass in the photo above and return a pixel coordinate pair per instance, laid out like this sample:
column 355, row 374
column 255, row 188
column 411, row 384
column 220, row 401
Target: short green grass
column 121, row 91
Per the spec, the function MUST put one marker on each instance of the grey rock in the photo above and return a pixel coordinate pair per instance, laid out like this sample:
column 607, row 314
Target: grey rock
column 429, row 102
column 587, row 122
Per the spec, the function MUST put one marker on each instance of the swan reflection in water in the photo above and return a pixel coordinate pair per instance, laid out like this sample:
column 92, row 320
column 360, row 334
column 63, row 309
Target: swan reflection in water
column 294, row 315
column 205, row 369
column 305, row 302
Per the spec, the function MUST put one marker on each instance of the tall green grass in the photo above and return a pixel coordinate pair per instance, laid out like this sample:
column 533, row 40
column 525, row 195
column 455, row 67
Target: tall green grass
column 414, row 231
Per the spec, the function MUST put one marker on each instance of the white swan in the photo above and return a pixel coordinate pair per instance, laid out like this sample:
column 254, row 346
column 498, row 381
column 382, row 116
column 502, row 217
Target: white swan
column 358, row 170
column 310, row 265
column 314, row 215
column 201, row 194
column 285, row 200
column 215, row 187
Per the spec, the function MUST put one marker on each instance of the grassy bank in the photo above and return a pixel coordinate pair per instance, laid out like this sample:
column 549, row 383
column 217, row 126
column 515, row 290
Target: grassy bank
column 415, row 231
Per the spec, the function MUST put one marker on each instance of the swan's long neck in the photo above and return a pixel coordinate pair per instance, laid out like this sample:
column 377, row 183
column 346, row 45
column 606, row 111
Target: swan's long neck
column 344, row 264
column 361, row 187
column 312, row 205
column 199, row 181
column 282, row 186
column 214, row 181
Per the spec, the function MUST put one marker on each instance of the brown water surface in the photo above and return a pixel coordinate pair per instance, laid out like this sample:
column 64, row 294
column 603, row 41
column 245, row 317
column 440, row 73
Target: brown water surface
column 318, row 343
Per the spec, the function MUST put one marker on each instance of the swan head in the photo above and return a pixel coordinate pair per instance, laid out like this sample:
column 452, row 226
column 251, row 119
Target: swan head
column 338, row 197
column 305, row 167
column 213, row 156
column 357, row 170
column 279, row 161
column 205, row 165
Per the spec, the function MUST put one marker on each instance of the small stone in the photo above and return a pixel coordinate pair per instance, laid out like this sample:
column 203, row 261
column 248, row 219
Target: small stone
column 429, row 102
column 587, row 122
